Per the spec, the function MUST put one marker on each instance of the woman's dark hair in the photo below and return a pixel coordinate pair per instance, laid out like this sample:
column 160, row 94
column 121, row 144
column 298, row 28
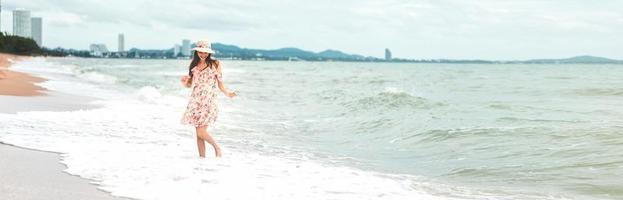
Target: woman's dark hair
column 209, row 60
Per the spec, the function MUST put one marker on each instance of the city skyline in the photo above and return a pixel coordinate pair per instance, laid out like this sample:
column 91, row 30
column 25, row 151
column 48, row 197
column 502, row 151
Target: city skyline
column 411, row 29
column 25, row 25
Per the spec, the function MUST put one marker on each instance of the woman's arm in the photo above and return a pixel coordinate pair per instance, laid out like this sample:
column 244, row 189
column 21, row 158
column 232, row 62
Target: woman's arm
column 186, row 81
column 221, row 85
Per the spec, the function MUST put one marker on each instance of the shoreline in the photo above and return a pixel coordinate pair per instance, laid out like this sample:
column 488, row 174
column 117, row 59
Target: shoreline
column 34, row 174
column 19, row 92
column 14, row 83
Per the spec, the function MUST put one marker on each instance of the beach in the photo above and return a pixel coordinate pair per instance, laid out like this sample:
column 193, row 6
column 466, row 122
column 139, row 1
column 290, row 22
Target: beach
column 329, row 130
column 33, row 174
column 334, row 100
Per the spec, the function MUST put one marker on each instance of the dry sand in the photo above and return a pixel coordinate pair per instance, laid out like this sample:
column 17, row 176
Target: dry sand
column 17, row 83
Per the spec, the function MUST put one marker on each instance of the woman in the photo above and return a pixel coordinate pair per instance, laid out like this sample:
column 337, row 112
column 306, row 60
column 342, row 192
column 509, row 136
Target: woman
column 204, row 74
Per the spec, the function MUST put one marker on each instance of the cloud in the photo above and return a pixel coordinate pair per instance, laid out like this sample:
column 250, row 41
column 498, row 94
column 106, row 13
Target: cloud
column 489, row 29
column 63, row 19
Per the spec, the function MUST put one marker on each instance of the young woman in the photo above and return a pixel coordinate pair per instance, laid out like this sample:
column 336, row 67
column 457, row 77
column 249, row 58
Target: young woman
column 204, row 75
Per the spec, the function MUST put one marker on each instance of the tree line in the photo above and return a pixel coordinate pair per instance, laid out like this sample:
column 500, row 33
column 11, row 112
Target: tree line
column 18, row 45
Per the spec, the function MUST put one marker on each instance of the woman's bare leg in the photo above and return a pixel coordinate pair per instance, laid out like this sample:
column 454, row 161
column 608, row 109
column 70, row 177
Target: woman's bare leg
column 201, row 146
column 203, row 134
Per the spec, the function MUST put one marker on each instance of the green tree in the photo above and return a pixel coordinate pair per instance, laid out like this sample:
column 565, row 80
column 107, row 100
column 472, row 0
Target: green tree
column 18, row 45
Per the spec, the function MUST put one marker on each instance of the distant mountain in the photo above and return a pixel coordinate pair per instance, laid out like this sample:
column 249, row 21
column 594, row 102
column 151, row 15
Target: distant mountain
column 578, row 59
column 226, row 51
column 289, row 53
column 338, row 54
column 225, row 47
column 589, row 59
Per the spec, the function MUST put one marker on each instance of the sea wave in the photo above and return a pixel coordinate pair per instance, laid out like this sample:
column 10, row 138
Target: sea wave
column 598, row 92
column 391, row 99
column 98, row 77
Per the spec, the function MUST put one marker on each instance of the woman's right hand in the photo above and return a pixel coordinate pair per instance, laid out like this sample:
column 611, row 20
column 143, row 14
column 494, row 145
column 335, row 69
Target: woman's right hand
column 186, row 81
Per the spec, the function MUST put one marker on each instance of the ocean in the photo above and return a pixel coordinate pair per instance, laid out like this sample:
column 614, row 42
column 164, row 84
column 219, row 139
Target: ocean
column 338, row 130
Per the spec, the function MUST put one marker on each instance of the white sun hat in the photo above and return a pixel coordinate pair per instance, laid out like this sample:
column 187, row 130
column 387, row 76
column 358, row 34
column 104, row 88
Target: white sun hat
column 203, row 46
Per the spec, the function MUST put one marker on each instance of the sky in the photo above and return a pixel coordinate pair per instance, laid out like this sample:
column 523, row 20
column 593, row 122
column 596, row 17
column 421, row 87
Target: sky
column 414, row 29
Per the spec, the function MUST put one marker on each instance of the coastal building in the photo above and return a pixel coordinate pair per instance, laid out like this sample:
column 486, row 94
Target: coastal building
column 121, row 43
column 36, row 30
column 98, row 50
column 176, row 50
column 21, row 23
column 388, row 55
column 186, row 48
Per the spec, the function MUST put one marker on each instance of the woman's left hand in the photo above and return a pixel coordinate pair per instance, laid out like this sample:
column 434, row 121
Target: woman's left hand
column 230, row 94
column 186, row 81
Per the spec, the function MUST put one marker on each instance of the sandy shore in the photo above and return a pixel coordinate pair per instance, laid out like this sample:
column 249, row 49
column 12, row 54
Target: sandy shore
column 18, row 92
column 17, row 83
column 31, row 174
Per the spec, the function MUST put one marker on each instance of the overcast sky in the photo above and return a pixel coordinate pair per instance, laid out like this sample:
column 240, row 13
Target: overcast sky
column 457, row 29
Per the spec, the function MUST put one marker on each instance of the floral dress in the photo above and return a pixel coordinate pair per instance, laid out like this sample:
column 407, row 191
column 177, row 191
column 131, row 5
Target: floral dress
column 202, row 109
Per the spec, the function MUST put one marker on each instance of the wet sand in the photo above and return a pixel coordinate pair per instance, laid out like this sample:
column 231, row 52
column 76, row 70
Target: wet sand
column 31, row 174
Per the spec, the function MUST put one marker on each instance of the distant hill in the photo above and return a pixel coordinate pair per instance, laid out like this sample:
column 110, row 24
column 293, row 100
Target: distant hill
column 338, row 54
column 578, row 59
column 227, row 51
column 289, row 53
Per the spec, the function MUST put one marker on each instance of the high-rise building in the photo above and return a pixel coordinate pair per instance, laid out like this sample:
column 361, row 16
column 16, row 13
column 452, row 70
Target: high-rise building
column 36, row 28
column 176, row 50
column 21, row 23
column 388, row 54
column 186, row 47
column 121, row 44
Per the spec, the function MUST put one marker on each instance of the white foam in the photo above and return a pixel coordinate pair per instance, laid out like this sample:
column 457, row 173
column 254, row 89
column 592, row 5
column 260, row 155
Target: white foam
column 63, row 78
column 393, row 90
column 138, row 150
column 149, row 94
column 234, row 71
column 99, row 77
column 40, row 66
column 179, row 73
